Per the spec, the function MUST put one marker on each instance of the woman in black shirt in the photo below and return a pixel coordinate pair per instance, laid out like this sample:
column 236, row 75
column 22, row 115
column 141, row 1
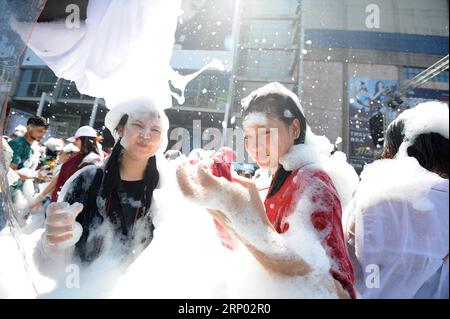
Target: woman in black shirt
column 119, row 192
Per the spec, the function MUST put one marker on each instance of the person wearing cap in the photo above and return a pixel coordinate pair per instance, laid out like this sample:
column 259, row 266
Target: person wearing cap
column 68, row 151
column 19, row 131
column 276, row 112
column 118, row 193
column 53, row 148
column 85, row 139
column 397, row 234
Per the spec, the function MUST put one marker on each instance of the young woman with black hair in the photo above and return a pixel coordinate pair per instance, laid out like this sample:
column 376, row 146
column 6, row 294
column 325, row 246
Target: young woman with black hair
column 397, row 225
column 302, row 202
column 117, row 194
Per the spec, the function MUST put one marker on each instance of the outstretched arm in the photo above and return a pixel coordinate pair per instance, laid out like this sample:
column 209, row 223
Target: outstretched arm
column 50, row 187
column 238, row 207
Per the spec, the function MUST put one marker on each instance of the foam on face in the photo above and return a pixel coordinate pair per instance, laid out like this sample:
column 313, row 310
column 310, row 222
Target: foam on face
column 401, row 179
column 256, row 119
column 147, row 125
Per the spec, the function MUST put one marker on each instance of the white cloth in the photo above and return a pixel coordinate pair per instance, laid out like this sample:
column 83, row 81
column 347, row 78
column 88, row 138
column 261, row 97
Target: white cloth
column 121, row 42
column 407, row 245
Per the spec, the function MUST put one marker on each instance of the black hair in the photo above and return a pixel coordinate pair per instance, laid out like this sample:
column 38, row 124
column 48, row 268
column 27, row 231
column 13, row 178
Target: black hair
column 88, row 145
column 112, row 172
column 49, row 154
column 431, row 149
column 376, row 86
column 276, row 105
column 37, row 121
column 393, row 138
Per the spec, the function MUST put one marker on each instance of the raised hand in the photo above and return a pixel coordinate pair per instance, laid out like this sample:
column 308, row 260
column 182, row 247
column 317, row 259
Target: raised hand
column 60, row 226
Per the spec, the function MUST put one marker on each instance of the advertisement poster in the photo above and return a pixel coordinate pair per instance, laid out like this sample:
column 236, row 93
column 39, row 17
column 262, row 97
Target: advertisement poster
column 368, row 118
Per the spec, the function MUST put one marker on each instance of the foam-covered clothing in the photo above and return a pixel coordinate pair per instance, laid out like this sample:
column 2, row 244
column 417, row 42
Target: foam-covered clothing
column 310, row 182
column 22, row 151
column 86, row 189
column 409, row 247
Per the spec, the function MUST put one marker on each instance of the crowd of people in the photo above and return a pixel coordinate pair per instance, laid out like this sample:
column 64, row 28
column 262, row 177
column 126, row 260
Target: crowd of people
column 383, row 241
column 37, row 170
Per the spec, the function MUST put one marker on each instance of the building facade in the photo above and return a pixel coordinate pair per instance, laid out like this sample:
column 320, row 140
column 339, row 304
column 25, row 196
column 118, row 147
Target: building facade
column 339, row 56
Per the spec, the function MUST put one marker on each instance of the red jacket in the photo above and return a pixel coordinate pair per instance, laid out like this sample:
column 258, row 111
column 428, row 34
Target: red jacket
column 326, row 219
column 68, row 169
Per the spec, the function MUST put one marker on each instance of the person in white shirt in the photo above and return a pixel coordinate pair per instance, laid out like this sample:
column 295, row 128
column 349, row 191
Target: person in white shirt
column 398, row 223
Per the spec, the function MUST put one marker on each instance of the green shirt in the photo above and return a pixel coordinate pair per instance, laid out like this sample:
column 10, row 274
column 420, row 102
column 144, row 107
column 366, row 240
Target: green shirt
column 22, row 151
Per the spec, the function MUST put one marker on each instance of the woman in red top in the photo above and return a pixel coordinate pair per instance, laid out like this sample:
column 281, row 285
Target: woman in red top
column 274, row 130
column 86, row 140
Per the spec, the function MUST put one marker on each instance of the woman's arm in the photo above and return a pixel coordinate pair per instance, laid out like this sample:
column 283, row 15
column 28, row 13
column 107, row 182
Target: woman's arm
column 50, row 187
column 239, row 209
column 241, row 212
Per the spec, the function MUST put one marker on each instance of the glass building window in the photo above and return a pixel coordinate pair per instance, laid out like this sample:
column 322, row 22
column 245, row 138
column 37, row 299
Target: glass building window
column 68, row 90
column 208, row 91
column 254, row 8
column 33, row 82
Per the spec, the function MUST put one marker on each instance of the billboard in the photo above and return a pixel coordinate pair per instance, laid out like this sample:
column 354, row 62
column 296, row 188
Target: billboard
column 368, row 118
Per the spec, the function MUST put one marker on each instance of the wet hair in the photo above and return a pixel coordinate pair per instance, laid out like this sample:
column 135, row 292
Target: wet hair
column 112, row 172
column 431, row 149
column 37, row 121
column 277, row 105
column 88, row 145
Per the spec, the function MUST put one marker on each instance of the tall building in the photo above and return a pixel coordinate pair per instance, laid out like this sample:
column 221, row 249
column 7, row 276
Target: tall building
column 342, row 57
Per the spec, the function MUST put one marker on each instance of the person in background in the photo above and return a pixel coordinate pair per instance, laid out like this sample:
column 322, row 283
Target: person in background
column 53, row 148
column 68, row 151
column 399, row 249
column 85, row 140
column 26, row 150
column 19, row 131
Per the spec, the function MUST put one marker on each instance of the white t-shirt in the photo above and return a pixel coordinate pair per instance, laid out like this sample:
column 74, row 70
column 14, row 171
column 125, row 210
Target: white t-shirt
column 405, row 246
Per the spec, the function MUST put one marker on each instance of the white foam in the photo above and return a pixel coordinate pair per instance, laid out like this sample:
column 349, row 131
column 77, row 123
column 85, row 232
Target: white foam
column 256, row 118
column 271, row 88
column 401, row 179
column 120, row 43
column 317, row 150
column 428, row 117
column 54, row 144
